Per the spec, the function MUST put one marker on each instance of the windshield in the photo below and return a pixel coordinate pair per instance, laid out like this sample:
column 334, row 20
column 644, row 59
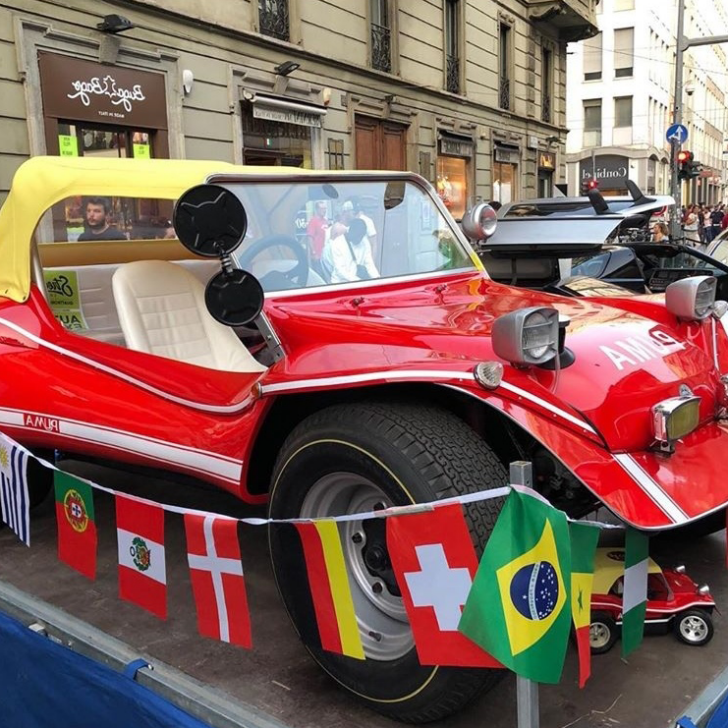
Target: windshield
column 316, row 233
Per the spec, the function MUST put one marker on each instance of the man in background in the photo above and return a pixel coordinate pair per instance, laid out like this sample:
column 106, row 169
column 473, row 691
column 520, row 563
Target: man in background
column 316, row 230
column 96, row 215
column 348, row 256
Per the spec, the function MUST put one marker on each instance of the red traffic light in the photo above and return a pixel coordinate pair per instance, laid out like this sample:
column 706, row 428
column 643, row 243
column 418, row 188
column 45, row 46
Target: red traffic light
column 684, row 156
column 593, row 184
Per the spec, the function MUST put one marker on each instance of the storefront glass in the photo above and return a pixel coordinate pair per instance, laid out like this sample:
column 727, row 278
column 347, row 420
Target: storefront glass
column 277, row 143
column 504, row 182
column 452, row 184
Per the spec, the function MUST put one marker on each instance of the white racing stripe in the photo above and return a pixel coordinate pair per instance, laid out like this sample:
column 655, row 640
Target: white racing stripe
column 653, row 490
column 412, row 374
column 221, row 466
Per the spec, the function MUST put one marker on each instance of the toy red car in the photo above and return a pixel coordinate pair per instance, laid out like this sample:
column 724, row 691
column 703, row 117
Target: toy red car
column 329, row 343
column 673, row 600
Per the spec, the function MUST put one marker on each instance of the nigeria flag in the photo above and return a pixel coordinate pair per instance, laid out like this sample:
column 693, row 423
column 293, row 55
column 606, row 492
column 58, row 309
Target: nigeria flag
column 518, row 609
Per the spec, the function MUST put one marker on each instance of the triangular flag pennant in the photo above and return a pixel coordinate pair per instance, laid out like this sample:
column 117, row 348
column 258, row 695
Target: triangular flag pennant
column 142, row 568
column 518, row 609
column 634, row 600
column 216, row 572
column 584, row 539
column 77, row 538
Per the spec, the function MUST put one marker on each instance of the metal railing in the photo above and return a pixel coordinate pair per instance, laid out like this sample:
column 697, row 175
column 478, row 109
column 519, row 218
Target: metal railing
column 274, row 18
column 546, row 107
column 504, row 96
column 381, row 48
column 453, row 74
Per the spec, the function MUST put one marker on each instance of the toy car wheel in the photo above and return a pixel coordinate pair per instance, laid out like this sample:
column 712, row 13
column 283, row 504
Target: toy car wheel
column 361, row 457
column 694, row 627
column 602, row 633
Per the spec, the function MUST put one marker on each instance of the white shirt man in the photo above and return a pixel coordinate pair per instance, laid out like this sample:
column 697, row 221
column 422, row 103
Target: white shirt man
column 349, row 256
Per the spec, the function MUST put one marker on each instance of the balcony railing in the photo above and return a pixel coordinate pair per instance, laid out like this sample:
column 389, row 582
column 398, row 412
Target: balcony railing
column 453, row 74
column 546, row 107
column 274, row 18
column 504, row 98
column 381, row 48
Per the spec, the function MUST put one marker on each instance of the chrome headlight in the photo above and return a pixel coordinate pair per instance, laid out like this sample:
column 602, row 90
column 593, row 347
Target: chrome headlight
column 704, row 590
column 691, row 299
column 527, row 336
column 674, row 418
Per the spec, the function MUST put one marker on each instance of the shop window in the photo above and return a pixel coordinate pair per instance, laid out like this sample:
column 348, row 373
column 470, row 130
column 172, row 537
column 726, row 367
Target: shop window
column 452, row 184
column 593, row 58
column 273, row 18
column 77, row 139
column 504, row 182
column 381, row 35
column 277, row 143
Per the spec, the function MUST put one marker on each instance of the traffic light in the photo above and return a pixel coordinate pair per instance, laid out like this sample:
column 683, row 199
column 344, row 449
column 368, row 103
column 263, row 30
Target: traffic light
column 588, row 184
column 687, row 167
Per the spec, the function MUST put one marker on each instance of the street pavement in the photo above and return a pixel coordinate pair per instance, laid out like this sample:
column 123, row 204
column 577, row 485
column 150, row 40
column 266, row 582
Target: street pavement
column 277, row 676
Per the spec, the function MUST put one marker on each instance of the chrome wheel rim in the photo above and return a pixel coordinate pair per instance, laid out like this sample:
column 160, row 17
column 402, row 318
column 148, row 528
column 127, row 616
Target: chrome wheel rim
column 380, row 613
column 599, row 635
column 693, row 628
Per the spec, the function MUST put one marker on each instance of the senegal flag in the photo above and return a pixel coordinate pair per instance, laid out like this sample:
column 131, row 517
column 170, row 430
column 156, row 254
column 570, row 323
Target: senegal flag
column 518, row 606
column 76, row 525
column 584, row 539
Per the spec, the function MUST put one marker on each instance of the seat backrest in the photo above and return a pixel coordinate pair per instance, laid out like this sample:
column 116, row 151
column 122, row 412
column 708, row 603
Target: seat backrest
column 161, row 308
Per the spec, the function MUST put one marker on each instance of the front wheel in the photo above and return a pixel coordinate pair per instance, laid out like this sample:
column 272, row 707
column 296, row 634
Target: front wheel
column 602, row 633
column 694, row 627
column 362, row 457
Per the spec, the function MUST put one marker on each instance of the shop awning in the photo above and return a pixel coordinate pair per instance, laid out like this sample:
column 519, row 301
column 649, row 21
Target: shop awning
column 286, row 111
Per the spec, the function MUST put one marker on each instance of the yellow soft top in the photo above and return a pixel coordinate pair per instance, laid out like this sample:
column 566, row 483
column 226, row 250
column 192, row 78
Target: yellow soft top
column 41, row 182
column 607, row 569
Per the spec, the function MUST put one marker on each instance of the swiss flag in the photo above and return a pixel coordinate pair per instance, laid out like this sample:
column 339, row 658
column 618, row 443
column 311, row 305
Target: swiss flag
column 216, row 571
column 435, row 562
column 142, row 568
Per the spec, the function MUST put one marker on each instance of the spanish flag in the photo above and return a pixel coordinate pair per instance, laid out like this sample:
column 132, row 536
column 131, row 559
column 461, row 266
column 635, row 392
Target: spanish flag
column 316, row 557
column 584, row 539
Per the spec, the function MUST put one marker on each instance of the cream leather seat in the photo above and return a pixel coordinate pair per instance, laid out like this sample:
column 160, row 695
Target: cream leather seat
column 161, row 308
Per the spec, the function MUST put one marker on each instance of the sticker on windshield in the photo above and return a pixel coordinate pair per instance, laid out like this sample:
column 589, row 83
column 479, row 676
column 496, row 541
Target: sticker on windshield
column 64, row 298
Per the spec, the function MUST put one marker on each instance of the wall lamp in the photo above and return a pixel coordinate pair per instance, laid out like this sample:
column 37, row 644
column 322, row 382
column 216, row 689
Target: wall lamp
column 115, row 24
column 286, row 68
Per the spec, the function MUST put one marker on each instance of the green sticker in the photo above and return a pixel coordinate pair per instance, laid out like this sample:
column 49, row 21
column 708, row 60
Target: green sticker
column 67, row 145
column 64, row 298
column 142, row 151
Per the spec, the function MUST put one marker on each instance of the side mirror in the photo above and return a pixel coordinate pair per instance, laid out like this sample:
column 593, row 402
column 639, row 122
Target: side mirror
column 479, row 222
column 210, row 221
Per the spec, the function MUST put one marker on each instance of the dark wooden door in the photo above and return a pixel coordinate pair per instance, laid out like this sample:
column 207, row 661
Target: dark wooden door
column 380, row 144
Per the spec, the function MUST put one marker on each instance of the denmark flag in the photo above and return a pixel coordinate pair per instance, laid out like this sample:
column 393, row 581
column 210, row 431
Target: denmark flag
column 216, row 571
column 142, row 570
column 434, row 562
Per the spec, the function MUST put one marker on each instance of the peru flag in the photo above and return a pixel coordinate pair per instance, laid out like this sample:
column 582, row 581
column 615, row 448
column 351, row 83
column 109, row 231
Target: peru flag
column 216, row 571
column 434, row 562
column 142, row 570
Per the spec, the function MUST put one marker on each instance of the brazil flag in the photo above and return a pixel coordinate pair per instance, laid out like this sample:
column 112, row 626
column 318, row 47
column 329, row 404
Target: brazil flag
column 518, row 608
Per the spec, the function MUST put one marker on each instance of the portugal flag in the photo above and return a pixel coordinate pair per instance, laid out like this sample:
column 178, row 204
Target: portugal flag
column 518, row 607
column 142, row 570
column 77, row 540
column 584, row 539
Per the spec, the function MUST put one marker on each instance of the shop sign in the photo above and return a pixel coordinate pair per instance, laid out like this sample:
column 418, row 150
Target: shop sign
column 508, row 155
column 456, row 147
column 85, row 91
column 547, row 160
column 611, row 169
column 287, row 116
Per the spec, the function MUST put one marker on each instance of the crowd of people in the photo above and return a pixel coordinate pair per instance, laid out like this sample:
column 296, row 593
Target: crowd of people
column 702, row 223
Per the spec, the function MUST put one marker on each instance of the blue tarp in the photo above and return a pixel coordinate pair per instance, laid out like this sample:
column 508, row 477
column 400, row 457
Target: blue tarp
column 46, row 685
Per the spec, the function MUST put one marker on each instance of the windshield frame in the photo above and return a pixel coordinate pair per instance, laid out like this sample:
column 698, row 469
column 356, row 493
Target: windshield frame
column 321, row 177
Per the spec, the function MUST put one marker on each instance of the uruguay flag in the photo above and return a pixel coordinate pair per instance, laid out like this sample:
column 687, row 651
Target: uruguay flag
column 14, row 501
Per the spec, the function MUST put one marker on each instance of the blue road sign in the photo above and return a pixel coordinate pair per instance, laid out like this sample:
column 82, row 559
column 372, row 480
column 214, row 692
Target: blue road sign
column 677, row 133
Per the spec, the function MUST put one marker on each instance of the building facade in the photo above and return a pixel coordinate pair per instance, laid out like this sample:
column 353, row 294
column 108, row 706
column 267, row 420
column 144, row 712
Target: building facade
column 469, row 93
column 620, row 86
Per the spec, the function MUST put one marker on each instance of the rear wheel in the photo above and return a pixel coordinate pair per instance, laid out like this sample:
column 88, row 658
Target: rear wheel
column 694, row 627
column 362, row 457
column 602, row 633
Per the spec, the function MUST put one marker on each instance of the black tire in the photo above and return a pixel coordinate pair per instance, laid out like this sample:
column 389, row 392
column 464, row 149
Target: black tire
column 603, row 633
column 437, row 455
column 694, row 627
